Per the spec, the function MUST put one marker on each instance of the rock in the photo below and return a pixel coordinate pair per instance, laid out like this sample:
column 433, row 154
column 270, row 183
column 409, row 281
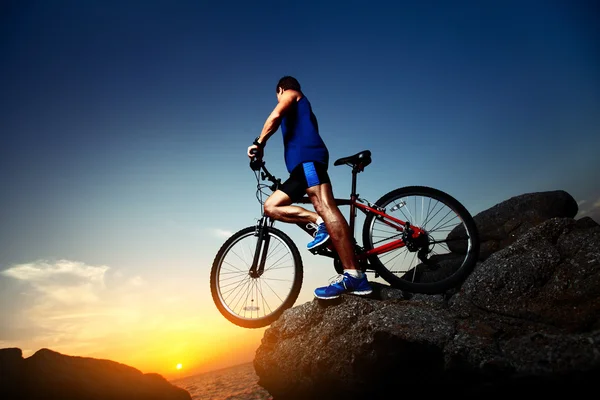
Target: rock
column 527, row 318
column 502, row 224
column 51, row 375
column 549, row 276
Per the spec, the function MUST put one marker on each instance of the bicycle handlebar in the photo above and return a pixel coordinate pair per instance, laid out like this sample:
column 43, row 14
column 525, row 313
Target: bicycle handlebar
column 257, row 164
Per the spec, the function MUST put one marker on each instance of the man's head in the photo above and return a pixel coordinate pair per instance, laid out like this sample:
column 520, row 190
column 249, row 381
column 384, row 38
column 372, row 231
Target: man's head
column 287, row 82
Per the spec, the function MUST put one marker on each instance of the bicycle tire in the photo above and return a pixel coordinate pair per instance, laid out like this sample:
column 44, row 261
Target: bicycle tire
column 242, row 309
column 444, row 271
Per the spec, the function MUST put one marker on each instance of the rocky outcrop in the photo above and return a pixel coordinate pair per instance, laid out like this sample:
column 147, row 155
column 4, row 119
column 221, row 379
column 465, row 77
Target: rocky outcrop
column 51, row 375
column 500, row 225
column 528, row 317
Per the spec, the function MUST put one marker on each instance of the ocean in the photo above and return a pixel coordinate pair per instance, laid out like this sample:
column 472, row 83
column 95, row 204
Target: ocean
column 234, row 383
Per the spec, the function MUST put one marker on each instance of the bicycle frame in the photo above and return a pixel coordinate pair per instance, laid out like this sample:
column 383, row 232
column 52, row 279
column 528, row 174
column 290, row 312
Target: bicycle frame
column 355, row 204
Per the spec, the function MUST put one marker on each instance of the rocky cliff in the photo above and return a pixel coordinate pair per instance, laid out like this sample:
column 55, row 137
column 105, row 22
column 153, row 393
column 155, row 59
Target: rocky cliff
column 51, row 375
column 527, row 318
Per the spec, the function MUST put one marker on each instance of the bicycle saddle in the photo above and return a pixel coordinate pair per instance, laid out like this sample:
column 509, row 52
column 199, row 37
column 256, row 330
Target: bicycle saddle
column 360, row 160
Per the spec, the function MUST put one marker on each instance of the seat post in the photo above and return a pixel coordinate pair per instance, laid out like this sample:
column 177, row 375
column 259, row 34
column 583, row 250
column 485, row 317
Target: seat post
column 354, row 175
column 353, row 198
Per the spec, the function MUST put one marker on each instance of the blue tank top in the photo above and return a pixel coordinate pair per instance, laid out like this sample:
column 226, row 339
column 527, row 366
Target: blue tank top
column 301, row 139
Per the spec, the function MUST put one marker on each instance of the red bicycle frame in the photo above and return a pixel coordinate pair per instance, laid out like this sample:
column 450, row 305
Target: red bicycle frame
column 395, row 223
column 355, row 203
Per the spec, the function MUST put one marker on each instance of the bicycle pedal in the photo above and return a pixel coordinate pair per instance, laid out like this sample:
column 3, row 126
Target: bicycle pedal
column 321, row 250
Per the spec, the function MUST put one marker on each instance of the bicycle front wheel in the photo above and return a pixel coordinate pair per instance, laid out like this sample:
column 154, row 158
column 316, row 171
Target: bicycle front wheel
column 255, row 301
column 449, row 252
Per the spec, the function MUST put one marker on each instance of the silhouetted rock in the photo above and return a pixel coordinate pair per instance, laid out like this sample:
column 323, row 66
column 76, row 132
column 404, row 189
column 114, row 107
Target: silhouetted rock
column 51, row 375
column 502, row 224
column 528, row 317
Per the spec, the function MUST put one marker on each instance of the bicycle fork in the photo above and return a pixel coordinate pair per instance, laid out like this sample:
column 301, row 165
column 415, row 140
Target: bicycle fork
column 262, row 247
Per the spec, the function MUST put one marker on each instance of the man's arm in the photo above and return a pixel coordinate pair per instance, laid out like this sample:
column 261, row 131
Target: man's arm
column 272, row 123
column 274, row 120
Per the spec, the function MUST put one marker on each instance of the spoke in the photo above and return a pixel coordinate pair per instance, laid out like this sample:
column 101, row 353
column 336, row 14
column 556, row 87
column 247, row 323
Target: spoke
column 409, row 217
column 445, row 246
column 394, row 235
column 432, row 216
column 438, row 218
column 259, row 297
column 242, row 259
column 248, row 294
column 274, row 248
column 238, row 296
column 273, row 291
column 276, row 262
column 442, row 219
column 448, row 226
column 236, row 269
column 397, row 254
column 428, row 211
column 275, row 279
column 235, row 283
column 265, row 303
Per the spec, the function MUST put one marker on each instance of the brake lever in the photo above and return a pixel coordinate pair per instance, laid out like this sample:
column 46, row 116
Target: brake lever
column 256, row 162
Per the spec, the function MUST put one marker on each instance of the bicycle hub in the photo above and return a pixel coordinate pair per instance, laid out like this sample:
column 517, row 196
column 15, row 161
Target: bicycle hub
column 414, row 243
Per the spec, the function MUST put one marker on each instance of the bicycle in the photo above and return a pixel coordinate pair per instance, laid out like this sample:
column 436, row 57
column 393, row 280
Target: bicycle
column 416, row 238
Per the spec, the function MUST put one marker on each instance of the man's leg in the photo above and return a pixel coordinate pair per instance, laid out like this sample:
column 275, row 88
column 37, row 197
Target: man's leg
column 322, row 199
column 353, row 280
column 279, row 207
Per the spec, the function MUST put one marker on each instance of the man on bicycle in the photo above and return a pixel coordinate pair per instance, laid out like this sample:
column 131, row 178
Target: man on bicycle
column 307, row 159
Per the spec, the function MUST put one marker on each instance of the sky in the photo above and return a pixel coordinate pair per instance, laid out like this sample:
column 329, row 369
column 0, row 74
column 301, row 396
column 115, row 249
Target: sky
column 124, row 128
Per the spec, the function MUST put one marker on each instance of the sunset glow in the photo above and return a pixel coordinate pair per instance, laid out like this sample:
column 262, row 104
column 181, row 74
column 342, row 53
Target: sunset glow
column 125, row 127
column 103, row 312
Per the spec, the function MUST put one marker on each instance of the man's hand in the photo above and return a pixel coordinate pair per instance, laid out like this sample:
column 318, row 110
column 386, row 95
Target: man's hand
column 259, row 146
column 258, row 152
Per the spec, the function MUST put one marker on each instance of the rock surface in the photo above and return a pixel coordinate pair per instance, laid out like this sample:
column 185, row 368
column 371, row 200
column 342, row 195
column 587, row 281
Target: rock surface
column 51, row 375
column 528, row 317
column 502, row 224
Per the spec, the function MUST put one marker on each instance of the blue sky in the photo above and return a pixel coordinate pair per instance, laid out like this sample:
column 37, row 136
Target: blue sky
column 125, row 125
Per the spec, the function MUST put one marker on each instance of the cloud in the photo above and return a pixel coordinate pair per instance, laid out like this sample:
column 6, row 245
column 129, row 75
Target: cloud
column 78, row 308
column 43, row 270
column 64, row 281
column 58, row 302
column 221, row 233
column 137, row 281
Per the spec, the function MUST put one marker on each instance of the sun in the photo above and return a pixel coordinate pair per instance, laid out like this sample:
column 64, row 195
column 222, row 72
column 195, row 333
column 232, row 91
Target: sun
column 179, row 366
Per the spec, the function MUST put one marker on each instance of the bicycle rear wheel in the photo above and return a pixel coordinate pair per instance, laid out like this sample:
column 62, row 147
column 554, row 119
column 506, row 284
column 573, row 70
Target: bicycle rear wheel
column 451, row 248
column 254, row 302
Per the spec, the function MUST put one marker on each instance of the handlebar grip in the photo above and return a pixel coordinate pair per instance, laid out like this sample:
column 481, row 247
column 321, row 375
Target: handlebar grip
column 256, row 161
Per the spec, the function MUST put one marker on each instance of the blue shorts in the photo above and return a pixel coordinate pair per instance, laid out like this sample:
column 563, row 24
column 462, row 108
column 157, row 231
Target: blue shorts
column 305, row 175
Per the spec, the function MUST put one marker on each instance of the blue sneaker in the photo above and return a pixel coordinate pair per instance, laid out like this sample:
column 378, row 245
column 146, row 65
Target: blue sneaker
column 321, row 237
column 344, row 284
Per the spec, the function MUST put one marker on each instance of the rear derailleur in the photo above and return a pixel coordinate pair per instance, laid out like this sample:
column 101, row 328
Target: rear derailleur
column 420, row 243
